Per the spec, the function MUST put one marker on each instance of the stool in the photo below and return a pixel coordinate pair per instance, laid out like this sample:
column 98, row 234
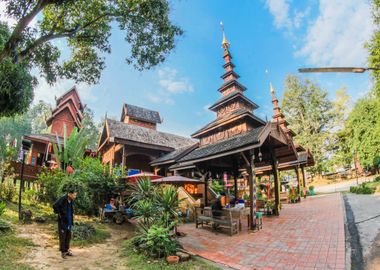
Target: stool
column 259, row 220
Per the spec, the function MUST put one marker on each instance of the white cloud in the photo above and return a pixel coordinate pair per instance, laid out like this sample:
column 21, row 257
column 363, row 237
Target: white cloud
column 47, row 92
column 284, row 18
column 279, row 9
column 169, row 81
column 337, row 36
column 170, row 85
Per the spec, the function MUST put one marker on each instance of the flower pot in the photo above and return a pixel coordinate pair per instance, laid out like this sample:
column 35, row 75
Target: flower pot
column 172, row 259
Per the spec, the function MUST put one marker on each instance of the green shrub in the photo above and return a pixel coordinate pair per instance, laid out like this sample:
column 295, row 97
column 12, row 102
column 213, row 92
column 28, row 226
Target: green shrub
column 83, row 231
column 156, row 242
column 362, row 189
column 50, row 180
column 83, row 203
column 7, row 190
column 2, row 207
column 217, row 187
column 377, row 179
column 311, row 188
column 157, row 211
column 4, row 226
column 31, row 195
column 85, row 234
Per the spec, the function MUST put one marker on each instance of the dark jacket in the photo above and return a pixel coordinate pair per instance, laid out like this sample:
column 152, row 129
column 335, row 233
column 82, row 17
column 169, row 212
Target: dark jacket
column 217, row 208
column 61, row 207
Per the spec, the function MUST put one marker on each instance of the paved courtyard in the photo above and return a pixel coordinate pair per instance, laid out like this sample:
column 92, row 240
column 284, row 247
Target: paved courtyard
column 307, row 235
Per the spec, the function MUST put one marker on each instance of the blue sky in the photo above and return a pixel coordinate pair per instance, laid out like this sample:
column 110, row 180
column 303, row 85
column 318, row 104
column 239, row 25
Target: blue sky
column 275, row 35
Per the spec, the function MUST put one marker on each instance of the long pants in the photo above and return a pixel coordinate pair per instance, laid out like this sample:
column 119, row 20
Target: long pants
column 64, row 238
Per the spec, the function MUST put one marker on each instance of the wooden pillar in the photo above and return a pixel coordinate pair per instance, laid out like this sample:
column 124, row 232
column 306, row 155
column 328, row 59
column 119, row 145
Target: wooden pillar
column 252, row 191
column 303, row 176
column 236, row 187
column 298, row 179
column 205, row 195
column 123, row 160
column 276, row 183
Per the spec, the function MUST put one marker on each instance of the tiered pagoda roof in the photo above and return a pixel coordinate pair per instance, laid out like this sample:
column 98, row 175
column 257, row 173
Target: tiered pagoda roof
column 234, row 110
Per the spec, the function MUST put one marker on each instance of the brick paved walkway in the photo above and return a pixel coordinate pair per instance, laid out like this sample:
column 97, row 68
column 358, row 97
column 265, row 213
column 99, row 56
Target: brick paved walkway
column 307, row 235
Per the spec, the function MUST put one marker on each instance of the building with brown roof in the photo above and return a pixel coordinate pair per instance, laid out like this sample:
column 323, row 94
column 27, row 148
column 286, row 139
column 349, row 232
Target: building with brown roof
column 68, row 112
column 134, row 141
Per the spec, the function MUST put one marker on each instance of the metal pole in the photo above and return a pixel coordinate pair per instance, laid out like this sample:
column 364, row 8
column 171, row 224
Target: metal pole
column 356, row 168
column 21, row 185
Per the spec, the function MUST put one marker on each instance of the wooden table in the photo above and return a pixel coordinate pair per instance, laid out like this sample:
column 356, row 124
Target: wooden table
column 239, row 213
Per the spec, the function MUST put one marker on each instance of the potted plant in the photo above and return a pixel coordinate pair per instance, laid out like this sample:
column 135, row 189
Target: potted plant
column 172, row 259
column 270, row 205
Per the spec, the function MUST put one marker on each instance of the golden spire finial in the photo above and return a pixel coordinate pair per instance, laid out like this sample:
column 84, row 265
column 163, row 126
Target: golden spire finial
column 272, row 91
column 225, row 43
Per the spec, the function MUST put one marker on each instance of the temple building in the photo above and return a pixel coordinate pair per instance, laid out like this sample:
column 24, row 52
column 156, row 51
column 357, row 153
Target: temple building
column 134, row 141
column 237, row 145
column 68, row 112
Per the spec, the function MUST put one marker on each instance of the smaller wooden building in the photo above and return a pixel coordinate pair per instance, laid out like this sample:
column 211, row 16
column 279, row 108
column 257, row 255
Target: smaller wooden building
column 68, row 112
column 134, row 141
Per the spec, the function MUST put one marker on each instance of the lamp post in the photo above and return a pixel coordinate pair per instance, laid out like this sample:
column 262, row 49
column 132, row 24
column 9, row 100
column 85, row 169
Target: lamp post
column 337, row 69
column 26, row 144
column 356, row 167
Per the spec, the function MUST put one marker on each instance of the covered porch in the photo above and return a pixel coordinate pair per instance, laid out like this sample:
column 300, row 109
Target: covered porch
column 238, row 158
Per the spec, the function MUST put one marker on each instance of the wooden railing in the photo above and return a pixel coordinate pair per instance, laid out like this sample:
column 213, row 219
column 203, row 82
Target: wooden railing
column 30, row 172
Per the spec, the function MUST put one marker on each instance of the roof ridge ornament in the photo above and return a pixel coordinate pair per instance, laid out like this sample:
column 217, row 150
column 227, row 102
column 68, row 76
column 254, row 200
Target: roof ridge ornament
column 225, row 43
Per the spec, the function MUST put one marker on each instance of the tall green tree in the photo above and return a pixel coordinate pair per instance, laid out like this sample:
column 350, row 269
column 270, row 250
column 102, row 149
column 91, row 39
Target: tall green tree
column 91, row 129
column 11, row 129
column 311, row 116
column 363, row 130
column 37, row 115
column 86, row 26
column 373, row 47
column 16, row 83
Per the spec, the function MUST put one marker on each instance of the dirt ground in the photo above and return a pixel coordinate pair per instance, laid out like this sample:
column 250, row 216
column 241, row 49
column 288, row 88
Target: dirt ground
column 45, row 254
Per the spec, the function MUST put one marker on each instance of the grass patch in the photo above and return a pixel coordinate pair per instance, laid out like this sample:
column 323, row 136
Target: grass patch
column 98, row 236
column 138, row 261
column 375, row 185
column 12, row 249
column 11, row 211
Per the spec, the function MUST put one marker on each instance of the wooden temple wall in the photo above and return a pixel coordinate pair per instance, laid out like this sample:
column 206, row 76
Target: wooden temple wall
column 64, row 118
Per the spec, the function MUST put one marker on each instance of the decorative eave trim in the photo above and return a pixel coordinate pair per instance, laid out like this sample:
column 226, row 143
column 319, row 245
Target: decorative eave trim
column 232, row 82
column 228, row 120
column 229, row 64
column 262, row 137
column 141, row 144
column 179, row 156
column 237, row 76
column 216, row 105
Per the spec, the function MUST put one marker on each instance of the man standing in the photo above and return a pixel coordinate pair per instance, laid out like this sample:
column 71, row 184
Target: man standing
column 64, row 208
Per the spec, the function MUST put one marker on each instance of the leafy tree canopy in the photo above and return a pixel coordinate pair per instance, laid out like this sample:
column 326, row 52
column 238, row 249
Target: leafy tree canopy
column 311, row 116
column 16, row 84
column 363, row 130
column 86, row 26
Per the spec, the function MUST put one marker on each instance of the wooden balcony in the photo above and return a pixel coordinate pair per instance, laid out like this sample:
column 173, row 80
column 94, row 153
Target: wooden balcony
column 30, row 172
